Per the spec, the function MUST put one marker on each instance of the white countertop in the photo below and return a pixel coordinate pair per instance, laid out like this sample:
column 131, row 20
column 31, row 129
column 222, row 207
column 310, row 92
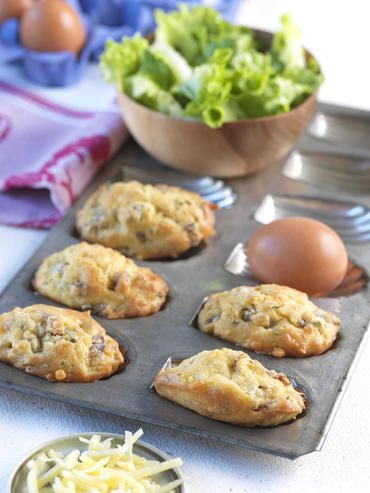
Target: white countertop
column 337, row 32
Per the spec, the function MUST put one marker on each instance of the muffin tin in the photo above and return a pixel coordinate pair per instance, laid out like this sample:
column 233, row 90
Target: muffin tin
column 170, row 334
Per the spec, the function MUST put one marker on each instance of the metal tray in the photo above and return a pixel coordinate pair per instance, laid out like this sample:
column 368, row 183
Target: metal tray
column 169, row 334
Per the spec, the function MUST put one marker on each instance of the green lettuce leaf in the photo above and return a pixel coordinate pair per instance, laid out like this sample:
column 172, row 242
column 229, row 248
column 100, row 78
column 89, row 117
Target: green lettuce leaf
column 196, row 33
column 120, row 60
column 287, row 49
column 178, row 64
column 206, row 93
column 155, row 68
column 203, row 68
column 147, row 92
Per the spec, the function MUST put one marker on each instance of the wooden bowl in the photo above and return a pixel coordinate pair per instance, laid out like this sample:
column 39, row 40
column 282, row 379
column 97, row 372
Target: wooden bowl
column 236, row 149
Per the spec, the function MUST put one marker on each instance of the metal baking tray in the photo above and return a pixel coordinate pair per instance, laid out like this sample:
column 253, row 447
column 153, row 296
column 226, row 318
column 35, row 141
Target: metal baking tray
column 169, row 334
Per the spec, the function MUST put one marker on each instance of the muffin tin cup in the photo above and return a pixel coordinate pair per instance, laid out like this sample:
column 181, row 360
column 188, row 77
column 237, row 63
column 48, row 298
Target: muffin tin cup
column 355, row 280
column 151, row 341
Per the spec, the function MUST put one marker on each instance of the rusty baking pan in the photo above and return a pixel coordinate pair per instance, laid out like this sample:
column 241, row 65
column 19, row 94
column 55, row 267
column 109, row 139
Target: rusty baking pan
column 151, row 341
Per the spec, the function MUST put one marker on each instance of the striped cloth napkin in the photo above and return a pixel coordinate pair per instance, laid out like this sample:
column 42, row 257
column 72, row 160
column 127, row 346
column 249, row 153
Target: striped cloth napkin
column 48, row 154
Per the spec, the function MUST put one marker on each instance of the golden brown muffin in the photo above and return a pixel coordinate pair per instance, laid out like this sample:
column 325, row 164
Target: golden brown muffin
column 269, row 319
column 57, row 344
column 230, row 386
column 101, row 279
column 146, row 221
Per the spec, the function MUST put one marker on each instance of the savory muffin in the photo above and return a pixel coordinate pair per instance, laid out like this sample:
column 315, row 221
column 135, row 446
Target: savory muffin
column 57, row 344
column 146, row 221
column 101, row 279
column 230, row 386
column 269, row 319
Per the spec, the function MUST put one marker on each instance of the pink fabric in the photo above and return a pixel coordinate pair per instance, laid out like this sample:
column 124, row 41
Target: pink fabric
column 49, row 149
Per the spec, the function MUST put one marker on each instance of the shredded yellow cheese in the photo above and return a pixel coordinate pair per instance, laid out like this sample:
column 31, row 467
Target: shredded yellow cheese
column 99, row 469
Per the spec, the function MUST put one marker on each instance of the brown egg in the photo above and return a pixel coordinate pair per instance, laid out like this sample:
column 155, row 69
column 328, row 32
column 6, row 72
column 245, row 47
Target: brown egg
column 298, row 252
column 13, row 8
column 52, row 25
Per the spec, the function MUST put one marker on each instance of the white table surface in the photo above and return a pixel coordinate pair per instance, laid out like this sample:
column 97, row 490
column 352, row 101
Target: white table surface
column 337, row 32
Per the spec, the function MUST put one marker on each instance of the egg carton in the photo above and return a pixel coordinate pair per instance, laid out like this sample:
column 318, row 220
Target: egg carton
column 172, row 334
column 108, row 19
column 57, row 69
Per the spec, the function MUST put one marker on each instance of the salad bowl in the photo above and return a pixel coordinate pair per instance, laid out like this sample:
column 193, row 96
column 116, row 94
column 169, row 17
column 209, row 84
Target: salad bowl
column 237, row 148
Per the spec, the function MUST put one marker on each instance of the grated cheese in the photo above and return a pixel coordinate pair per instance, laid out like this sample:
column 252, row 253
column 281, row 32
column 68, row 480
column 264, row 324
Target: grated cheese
column 100, row 469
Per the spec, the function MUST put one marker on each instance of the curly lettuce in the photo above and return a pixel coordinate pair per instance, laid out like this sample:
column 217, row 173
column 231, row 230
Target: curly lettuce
column 196, row 33
column 203, row 68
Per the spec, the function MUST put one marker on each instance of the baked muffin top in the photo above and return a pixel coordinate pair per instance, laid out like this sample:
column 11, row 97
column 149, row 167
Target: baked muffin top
column 101, row 279
column 269, row 319
column 146, row 221
column 229, row 386
column 57, row 344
